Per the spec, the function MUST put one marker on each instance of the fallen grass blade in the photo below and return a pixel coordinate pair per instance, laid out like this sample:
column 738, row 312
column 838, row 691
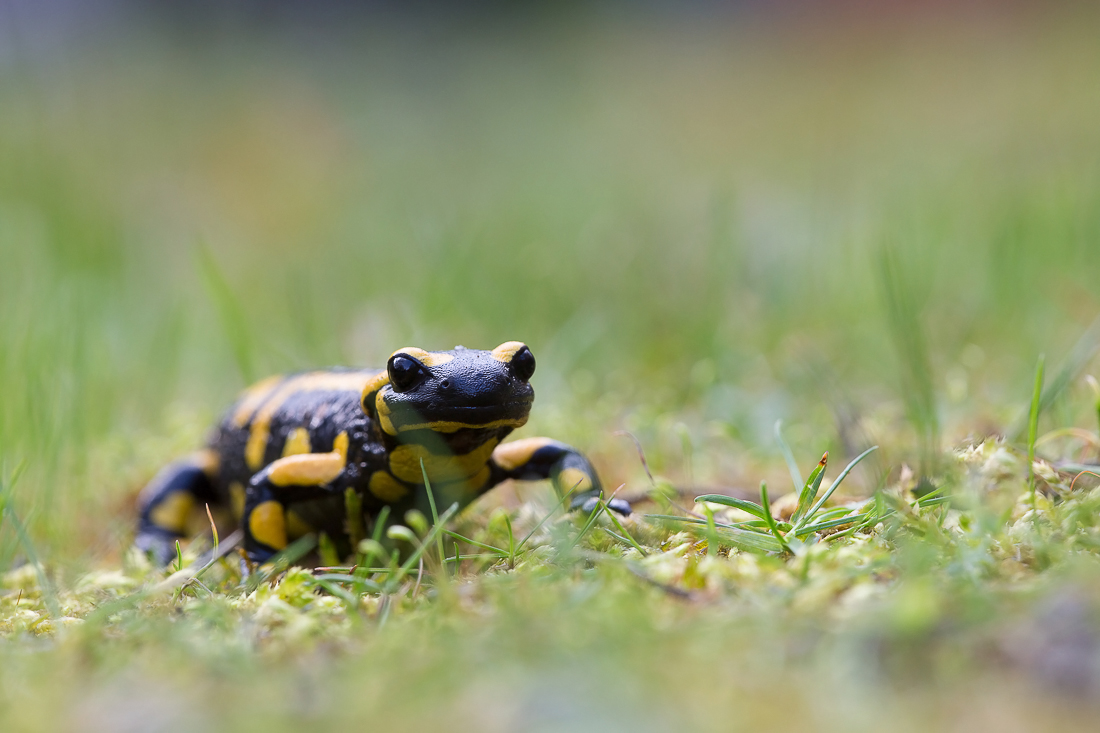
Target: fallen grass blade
column 749, row 541
column 819, row 526
column 746, row 506
column 756, row 524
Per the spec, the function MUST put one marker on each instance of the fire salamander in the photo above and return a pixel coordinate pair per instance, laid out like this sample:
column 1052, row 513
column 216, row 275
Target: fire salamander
column 285, row 453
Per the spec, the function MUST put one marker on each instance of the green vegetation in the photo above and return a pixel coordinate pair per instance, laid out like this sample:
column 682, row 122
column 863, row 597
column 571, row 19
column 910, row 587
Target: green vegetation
column 870, row 234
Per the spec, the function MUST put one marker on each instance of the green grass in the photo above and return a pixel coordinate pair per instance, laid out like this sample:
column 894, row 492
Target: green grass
column 870, row 233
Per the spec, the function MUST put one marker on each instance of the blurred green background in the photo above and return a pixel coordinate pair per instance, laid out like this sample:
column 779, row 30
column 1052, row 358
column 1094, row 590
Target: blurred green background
column 704, row 220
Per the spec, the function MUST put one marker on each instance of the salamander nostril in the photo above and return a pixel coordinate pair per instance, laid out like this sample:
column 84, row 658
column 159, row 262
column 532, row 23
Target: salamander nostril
column 445, row 384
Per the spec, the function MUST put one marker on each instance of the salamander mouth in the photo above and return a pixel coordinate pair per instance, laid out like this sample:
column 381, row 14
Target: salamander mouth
column 457, row 417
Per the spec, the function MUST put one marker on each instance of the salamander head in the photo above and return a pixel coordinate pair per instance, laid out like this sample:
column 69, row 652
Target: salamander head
column 447, row 391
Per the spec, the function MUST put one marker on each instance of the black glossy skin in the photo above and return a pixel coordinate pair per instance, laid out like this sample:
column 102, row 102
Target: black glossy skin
column 450, row 409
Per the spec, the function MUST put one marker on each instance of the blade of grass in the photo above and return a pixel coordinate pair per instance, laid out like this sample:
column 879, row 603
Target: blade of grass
column 750, row 525
column 475, row 543
column 1033, row 428
column 746, row 506
column 353, row 509
column 907, row 332
column 750, row 541
column 809, row 491
column 630, row 537
column 588, row 525
column 230, row 311
column 478, row 556
column 435, row 514
column 769, row 518
column 1095, row 387
column 830, row 524
column 788, row 456
column 1079, row 357
column 213, row 528
column 511, row 542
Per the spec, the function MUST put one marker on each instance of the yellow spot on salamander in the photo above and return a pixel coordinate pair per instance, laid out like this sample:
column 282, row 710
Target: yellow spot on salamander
column 297, row 443
column 405, row 463
column 386, row 487
column 511, row 456
column 267, row 523
column 574, row 480
column 507, row 350
column 254, row 449
column 236, row 498
column 172, row 511
column 312, row 469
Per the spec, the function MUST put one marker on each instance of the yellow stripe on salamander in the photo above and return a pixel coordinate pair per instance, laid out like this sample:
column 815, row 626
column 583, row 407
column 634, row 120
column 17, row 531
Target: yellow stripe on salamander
column 373, row 385
column 267, row 523
column 252, row 399
column 427, row 358
column 297, row 443
column 260, row 430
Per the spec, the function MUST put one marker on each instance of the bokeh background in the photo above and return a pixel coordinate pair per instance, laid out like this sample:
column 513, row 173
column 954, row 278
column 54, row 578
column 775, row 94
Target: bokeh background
column 865, row 219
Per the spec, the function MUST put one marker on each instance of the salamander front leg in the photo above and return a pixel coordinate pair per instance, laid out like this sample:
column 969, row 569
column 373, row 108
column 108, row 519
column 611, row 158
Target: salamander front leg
column 568, row 469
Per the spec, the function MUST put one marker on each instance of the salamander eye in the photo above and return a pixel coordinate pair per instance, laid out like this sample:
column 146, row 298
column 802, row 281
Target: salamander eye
column 405, row 372
column 524, row 363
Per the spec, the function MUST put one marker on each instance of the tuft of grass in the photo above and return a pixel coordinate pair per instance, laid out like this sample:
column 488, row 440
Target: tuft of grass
column 907, row 333
column 1033, row 428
